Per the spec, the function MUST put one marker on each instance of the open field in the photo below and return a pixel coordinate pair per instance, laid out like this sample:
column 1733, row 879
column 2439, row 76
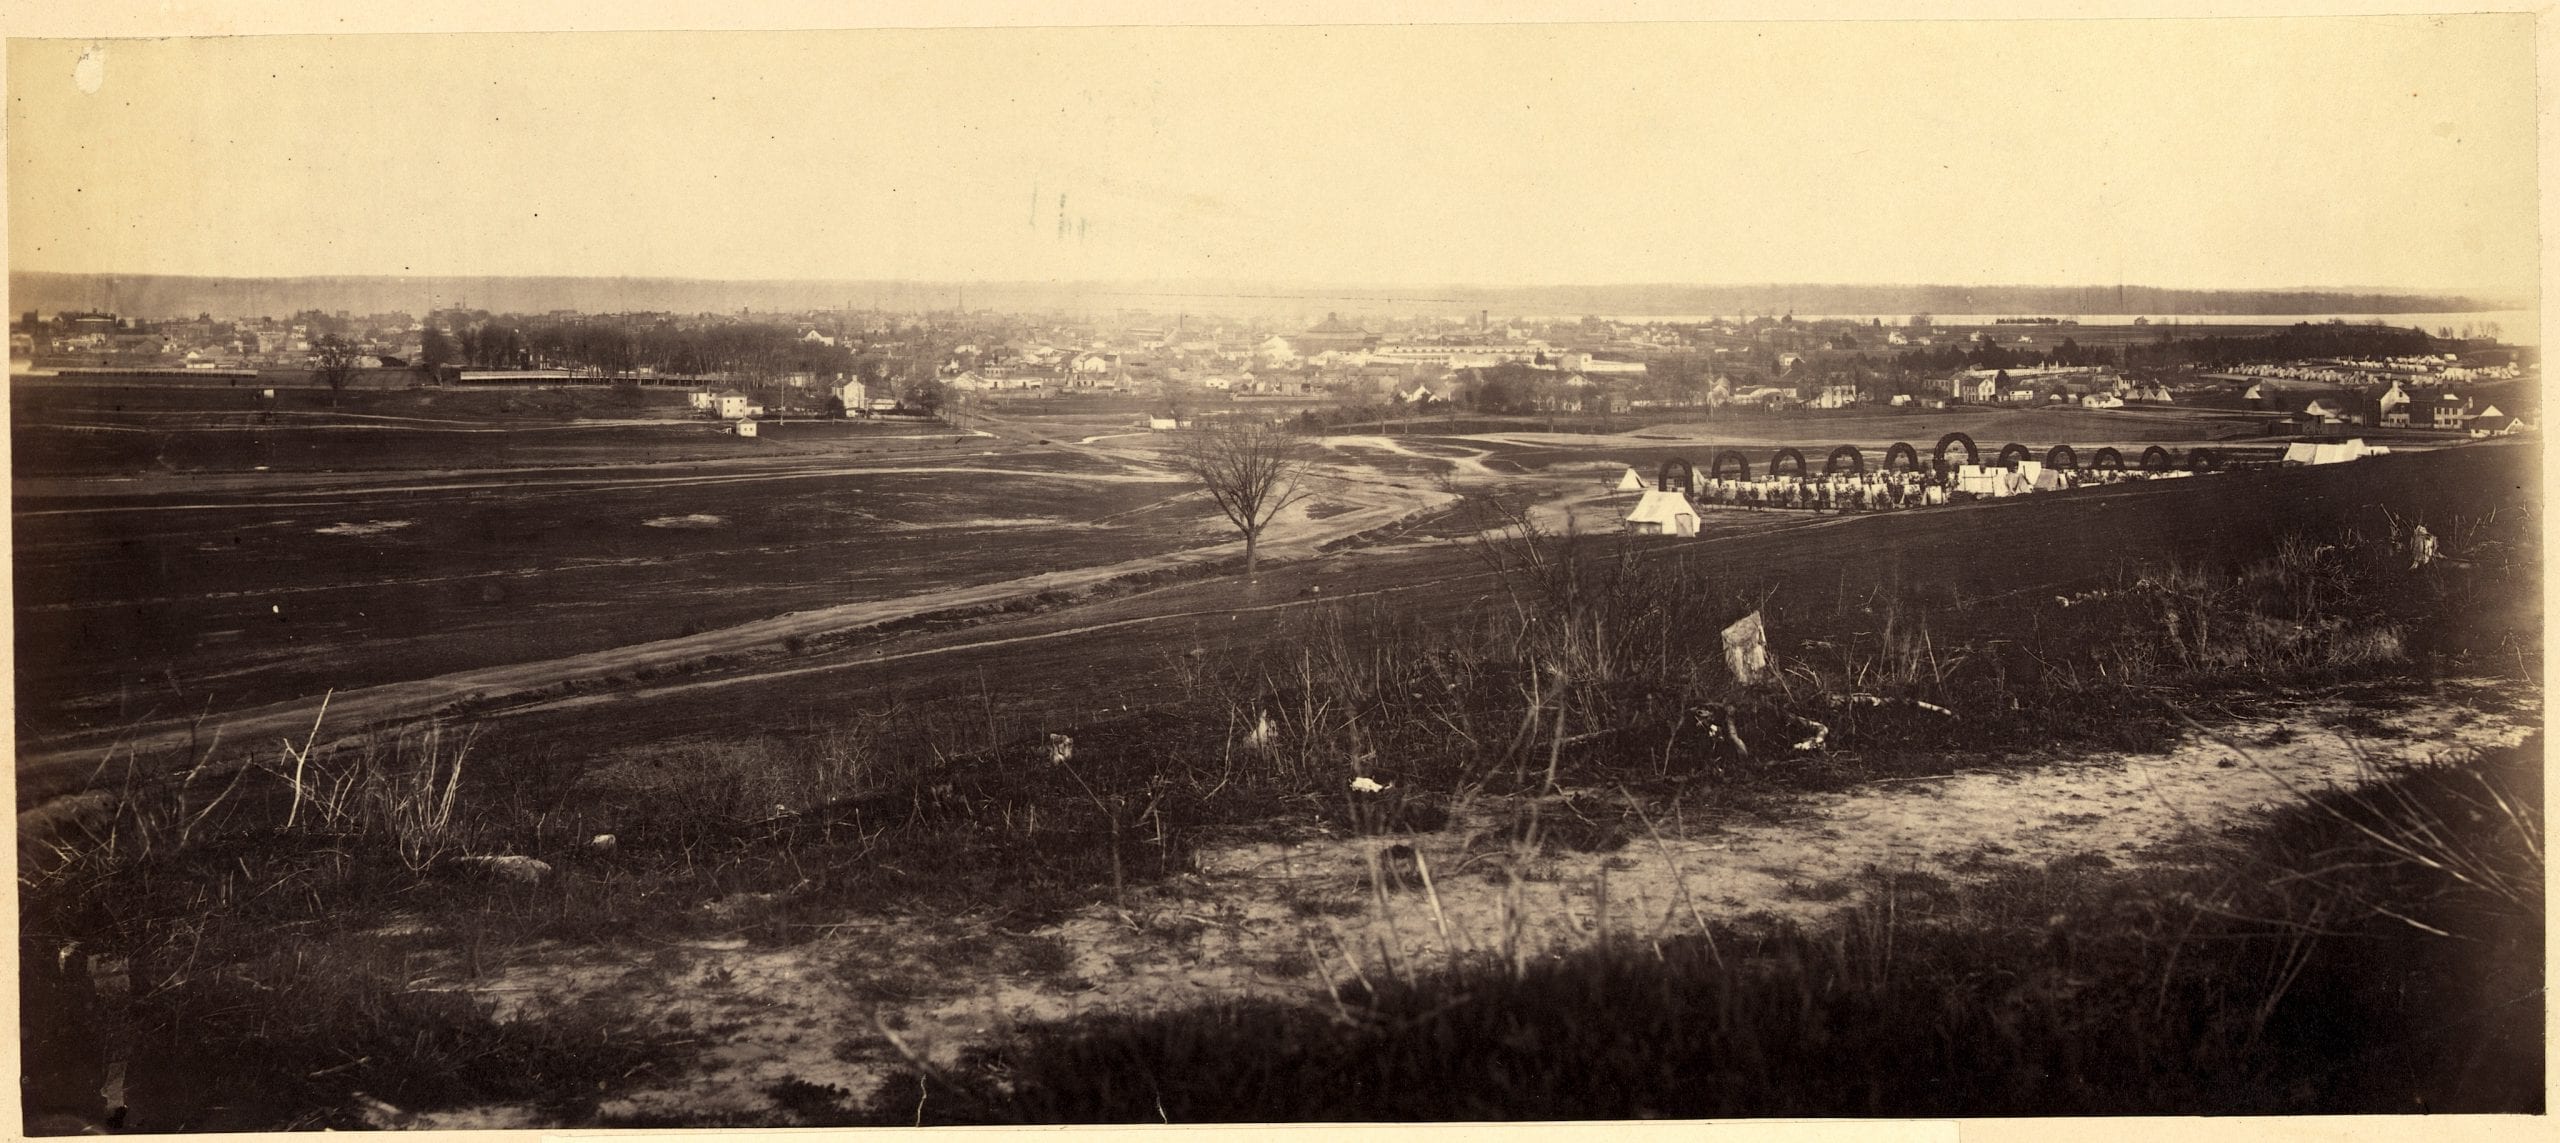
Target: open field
column 243, row 600
column 164, row 593
column 807, row 700
column 61, row 430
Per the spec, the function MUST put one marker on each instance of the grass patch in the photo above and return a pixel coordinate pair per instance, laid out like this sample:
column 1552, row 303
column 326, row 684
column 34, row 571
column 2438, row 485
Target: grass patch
column 2370, row 952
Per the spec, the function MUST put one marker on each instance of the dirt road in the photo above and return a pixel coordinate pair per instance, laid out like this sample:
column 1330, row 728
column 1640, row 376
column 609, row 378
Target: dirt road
column 1237, row 928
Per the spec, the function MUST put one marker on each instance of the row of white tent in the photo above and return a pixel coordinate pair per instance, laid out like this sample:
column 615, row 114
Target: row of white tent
column 1669, row 513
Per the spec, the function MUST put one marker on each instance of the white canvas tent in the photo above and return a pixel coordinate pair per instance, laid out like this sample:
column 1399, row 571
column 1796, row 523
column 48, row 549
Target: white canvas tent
column 1631, row 482
column 2330, row 452
column 1982, row 481
column 1663, row 513
column 2042, row 479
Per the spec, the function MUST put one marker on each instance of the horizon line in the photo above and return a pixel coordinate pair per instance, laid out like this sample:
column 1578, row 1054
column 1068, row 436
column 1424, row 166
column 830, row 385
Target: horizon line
column 2470, row 294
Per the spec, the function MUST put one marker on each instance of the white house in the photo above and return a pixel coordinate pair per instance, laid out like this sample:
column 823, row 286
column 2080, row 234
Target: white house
column 852, row 393
column 747, row 427
column 1445, row 389
column 703, row 400
column 735, row 405
column 2391, row 398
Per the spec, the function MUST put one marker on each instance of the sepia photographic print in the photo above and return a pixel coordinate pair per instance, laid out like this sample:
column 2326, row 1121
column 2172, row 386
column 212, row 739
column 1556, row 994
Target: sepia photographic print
column 1046, row 567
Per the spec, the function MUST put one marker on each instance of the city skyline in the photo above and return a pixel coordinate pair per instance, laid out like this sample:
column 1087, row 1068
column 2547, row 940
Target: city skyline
column 2171, row 153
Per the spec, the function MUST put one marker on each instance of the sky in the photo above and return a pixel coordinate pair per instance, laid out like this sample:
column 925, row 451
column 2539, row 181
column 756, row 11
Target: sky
column 2376, row 152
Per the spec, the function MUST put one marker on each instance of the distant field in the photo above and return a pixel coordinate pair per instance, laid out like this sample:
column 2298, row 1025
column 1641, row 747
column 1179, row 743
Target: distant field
column 46, row 400
column 164, row 601
column 60, row 429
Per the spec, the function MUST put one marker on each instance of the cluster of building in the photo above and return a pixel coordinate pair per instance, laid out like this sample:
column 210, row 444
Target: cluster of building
column 2415, row 372
column 743, row 411
column 2086, row 387
column 1414, row 361
column 804, row 361
column 2438, row 392
column 1239, row 359
column 100, row 339
column 2397, row 406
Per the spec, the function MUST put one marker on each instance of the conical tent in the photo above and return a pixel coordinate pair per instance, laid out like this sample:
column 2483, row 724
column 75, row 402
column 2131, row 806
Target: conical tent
column 1663, row 514
column 1631, row 482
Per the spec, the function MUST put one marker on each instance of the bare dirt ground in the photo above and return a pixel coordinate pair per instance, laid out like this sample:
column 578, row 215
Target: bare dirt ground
column 1285, row 921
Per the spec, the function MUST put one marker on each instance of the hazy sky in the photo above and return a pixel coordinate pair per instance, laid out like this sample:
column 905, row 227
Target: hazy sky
column 2386, row 152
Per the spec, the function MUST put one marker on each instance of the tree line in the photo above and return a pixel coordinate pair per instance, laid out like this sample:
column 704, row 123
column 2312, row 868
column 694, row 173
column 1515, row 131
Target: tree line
column 2168, row 351
column 748, row 350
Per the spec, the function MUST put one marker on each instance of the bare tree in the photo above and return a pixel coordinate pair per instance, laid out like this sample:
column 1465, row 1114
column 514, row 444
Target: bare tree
column 333, row 362
column 1252, row 470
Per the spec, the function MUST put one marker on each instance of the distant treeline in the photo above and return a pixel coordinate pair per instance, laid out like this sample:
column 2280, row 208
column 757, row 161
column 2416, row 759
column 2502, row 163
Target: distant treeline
column 2307, row 339
column 1689, row 372
column 160, row 294
column 750, row 350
